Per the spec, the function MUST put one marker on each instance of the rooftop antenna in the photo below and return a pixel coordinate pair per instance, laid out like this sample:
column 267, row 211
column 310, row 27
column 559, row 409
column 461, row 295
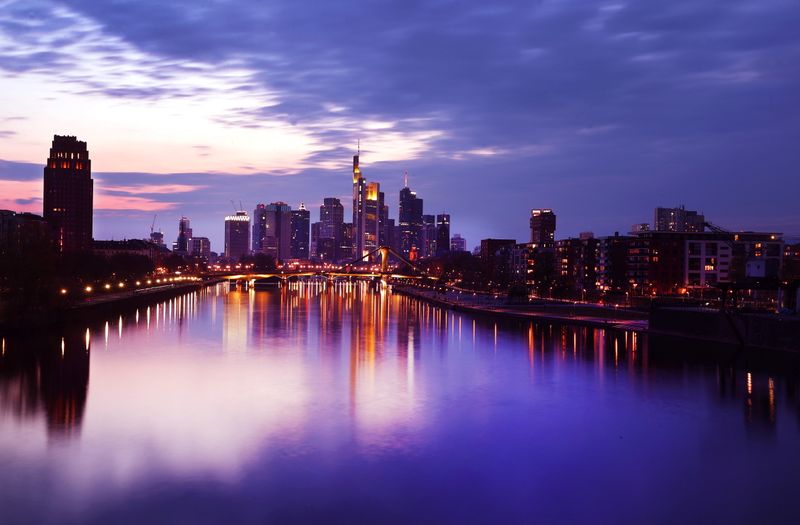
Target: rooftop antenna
column 241, row 207
column 233, row 205
column 405, row 179
column 358, row 152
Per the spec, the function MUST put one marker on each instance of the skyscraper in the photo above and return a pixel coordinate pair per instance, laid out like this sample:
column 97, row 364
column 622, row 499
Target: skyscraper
column 68, row 194
column 315, row 229
column 200, row 247
column 442, row 233
column 331, row 215
column 278, row 240
column 543, row 227
column 157, row 238
column 359, row 208
column 458, row 243
column 428, row 237
column 259, row 227
column 374, row 216
column 237, row 235
column 182, row 244
column 410, row 219
column 301, row 221
column 345, row 249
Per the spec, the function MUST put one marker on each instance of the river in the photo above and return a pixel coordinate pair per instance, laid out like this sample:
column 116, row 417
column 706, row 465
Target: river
column 341, row 404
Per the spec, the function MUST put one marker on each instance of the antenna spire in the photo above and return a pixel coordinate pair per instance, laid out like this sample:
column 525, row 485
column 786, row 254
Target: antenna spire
column 359, row 147
column 405, row 179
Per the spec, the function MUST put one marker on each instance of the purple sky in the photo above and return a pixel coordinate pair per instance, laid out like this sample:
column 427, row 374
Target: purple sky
column 601, row 111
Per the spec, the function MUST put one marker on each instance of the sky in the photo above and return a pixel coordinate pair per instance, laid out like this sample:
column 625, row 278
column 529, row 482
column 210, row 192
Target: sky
column 599, row 110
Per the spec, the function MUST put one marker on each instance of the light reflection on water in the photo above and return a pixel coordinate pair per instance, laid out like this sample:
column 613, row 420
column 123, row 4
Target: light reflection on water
column 325, row 403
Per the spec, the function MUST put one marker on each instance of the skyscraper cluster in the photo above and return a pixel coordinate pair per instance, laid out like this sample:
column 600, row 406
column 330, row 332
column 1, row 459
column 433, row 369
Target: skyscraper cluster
column 333, row 240
column 288, row 234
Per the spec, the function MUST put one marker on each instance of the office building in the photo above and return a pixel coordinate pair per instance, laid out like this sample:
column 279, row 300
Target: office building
column 181, row 245
column 237, row 235
column 300, row 224
column 326, row 249
column 390, row 231
column 359, row 208
column 346, row 249
column 200, row 247
column 67, row 197
column 369, row 212
column 157, row 238
column 458, row 243
column 331, row 218
column 442, row 234
column 316, row 227
column 278, row 239
column 259, row 227
column 409, row 219
column 428, row 236
column 374, row 217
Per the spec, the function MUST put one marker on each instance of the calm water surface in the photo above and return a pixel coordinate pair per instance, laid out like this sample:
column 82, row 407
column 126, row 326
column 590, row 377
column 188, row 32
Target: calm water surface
column 316, row 404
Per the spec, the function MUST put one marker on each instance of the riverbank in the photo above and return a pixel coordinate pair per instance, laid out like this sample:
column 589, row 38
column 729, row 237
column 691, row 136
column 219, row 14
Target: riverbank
column 136, row 297
column 110, row 302
column 752, row 331
column 597, row 316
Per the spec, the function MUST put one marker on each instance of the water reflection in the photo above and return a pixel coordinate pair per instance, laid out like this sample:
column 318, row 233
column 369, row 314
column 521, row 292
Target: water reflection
column 45, row 376
column 301, row 387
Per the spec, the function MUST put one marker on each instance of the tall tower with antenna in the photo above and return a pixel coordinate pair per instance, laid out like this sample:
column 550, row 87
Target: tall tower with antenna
column 359, row 205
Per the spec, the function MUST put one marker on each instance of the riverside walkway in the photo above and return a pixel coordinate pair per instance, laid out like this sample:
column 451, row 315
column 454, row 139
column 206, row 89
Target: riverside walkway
column 585, row 314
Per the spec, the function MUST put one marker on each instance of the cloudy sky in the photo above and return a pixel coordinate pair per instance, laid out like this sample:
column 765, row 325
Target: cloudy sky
column 601, row 111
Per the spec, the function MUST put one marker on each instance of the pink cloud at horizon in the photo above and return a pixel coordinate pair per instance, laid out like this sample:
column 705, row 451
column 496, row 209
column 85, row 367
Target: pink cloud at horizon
column 154, row 188
column 104, row 201
column 30, row 192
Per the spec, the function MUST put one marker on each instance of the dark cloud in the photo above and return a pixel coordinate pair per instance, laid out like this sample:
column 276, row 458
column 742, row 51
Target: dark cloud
column 26, row 202
column 601, row 111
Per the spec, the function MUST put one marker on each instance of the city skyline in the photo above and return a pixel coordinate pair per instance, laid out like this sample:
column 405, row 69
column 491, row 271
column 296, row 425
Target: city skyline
column 664, row 124
column 399, row 262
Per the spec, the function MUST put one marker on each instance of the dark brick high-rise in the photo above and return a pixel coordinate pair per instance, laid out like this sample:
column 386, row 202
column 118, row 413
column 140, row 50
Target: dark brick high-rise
column 68, row 194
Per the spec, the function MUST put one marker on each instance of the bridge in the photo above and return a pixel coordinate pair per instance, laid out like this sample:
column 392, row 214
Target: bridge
column 351, row 270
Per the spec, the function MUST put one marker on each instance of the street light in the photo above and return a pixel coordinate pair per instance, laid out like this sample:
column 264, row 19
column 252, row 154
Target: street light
column 88, row 289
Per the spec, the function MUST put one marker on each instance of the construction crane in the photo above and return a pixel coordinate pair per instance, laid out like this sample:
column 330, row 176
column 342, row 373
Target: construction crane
column 153, row 225
column 729, row 235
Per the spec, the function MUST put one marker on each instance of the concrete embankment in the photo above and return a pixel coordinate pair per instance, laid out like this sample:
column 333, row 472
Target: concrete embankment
column 748, row 330
column 136, row 297
column 755, row 331
column 557, row 312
